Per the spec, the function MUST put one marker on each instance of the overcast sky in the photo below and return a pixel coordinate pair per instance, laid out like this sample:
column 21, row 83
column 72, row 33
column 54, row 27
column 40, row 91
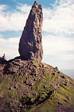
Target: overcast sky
column 58, row 30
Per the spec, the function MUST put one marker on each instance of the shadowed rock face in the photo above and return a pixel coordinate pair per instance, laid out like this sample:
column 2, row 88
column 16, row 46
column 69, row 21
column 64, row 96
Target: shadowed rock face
column 30, row 46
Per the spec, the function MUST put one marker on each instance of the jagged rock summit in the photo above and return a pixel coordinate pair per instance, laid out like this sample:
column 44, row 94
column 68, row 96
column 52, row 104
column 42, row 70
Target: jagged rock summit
column 30, row 46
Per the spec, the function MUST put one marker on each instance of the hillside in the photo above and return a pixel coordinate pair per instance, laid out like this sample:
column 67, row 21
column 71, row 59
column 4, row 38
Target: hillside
column 30, row 86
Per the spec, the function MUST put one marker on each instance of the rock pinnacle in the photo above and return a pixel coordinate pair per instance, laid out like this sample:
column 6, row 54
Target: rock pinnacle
column 30, row 45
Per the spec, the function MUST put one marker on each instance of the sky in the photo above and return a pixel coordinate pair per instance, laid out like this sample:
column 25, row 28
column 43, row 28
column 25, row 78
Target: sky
column 58, row 30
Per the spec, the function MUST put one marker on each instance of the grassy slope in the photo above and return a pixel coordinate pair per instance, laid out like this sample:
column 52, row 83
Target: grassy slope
column 49, row 93
column 62, row 97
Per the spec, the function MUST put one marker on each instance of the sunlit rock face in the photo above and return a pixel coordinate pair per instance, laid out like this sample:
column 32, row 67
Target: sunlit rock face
column 30, row 46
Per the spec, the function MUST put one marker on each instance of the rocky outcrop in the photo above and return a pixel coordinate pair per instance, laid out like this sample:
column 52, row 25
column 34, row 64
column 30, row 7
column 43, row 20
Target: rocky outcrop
column 31, row 86
column 30, row 46
column 3, row 60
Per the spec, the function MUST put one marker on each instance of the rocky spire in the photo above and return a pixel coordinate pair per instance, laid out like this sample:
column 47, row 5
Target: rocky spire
column 30, row 46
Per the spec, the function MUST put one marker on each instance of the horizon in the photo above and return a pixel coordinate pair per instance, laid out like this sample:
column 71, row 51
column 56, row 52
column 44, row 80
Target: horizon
column 57, row 34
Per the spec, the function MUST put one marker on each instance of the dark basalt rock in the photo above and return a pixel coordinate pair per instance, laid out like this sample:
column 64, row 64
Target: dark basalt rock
column 3, row 60
column 30, row 46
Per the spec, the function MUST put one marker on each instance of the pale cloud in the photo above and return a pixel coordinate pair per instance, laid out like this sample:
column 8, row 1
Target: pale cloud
column 2, row 8
column 62, row 19
column 24, row 8
column 57, row 51
column 11, row 22
column 9, row 47
column 14, row 21
column 65, row 2
column 57, row 43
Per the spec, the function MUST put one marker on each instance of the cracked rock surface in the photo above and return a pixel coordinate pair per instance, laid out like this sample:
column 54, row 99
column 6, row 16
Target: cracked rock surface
column 30, row 46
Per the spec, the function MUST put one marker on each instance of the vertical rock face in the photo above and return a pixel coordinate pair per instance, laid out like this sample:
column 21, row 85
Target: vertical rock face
column 30, row 45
